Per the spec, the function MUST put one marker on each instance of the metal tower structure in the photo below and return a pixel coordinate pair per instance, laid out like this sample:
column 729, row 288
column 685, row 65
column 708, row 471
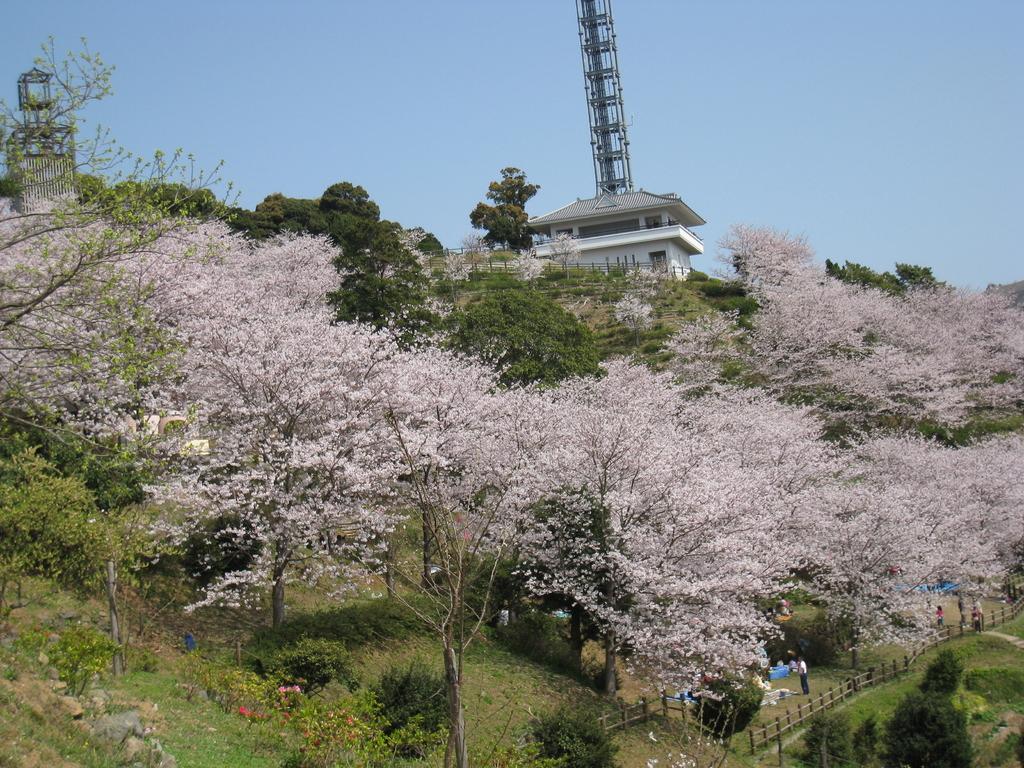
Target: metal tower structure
column 42, row 147
column 604, row 97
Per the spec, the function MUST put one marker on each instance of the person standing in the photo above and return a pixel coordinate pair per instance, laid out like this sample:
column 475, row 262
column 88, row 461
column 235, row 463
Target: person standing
column 801, row 668
column 963, row 613
column 939, row 616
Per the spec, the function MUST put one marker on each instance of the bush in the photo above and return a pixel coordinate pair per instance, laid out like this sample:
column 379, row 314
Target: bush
column 730, row 707
column 353, row 625
column 413, row 691
column 828, row 733
column 942, row 677
column 140, row 660
column 926, row 731
column 718, row 289
column 999, row 685
column 313, row 663
column 574, row 737
column 696, row 276
column 865, row 742
column 540, row 638
column 80, row 653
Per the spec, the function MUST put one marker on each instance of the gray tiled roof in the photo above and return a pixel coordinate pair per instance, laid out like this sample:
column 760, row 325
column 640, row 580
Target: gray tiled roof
column 629, row 201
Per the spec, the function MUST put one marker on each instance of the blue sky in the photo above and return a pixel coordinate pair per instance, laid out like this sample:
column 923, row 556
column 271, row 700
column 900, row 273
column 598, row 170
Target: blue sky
column 883, row 131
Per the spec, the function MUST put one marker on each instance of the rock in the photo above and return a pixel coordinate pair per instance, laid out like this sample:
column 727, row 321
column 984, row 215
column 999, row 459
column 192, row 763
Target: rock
column 58, row 685
column 99, row 695
column 116, row 728
column 53, row 674
column 43, row 659
column 68, row 615
column 133, row 748
column 70, row 706
column 167, row 761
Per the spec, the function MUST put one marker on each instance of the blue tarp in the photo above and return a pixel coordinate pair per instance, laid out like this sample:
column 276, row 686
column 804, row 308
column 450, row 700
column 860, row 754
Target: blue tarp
column 776, row 673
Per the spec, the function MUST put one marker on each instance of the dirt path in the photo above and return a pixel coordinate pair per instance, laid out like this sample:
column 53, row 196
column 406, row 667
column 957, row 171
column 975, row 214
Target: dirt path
column 1008, row 638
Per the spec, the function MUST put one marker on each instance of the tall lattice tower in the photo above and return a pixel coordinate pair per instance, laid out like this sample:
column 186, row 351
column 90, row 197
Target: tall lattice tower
column 42, row 147
column 604, row 97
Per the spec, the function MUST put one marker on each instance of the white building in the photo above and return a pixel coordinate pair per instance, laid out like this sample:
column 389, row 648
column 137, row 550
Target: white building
column 632, row 229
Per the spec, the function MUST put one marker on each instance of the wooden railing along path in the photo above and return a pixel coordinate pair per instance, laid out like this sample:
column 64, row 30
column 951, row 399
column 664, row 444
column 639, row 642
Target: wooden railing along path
column 760, row 737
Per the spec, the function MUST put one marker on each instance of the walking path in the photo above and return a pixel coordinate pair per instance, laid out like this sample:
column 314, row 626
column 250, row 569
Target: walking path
column 1008, row 638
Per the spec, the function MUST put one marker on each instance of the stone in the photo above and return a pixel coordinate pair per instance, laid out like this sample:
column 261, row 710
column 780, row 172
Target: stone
column 58, row 685
column 134, row 748
column 167, row 761
column 100, row 695
column 117, row 728
column 43, row 659
column 52, row 674
column 70, row 706
column 68, row 615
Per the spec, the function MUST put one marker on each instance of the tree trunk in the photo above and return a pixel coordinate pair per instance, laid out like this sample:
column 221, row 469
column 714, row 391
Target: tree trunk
column 576, row 635
column 854, row 656
column 456, row 753
column 115, row 619
column 277, row 600
column 426, row 552
column 609, row 663
column 389, row 564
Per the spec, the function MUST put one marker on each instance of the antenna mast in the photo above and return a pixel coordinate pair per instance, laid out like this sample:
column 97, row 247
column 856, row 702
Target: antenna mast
column 604, row 97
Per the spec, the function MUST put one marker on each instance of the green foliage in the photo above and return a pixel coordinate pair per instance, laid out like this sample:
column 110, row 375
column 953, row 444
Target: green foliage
column 216, row 549
column 348, row 199
column 312, row 663
column 139, row 659
column 720, row 289
column 80, row 653
column 9, row 186
column 942, row 677
column 505, row 222
column 998, row 685
column 540, row 638
column 412, row 692
column 907, row 277
column 574, row 737
column 926, row 731
column 354, row 624
column 696, row 276
column 828, row 733
column 49, row 525
column 430, row 244
column 382, row 282
column 527, row 336
column 731, row 707
column 865, row 742
column 1019, row 747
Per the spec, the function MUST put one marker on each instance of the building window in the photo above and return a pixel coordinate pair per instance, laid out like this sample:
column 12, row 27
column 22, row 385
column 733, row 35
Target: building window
column 658, row 260
column 652, row 221
column 563, row 231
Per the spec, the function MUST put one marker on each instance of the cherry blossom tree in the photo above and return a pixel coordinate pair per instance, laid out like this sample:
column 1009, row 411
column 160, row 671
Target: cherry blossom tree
column 286, row 401
column 935, row 353
column 468, row 455
column 661, row 529
column 565, row 250
column 527, row 266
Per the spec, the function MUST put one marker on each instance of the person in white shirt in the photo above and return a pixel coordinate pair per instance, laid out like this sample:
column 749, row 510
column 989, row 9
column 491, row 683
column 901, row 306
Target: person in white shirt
column 801, row 668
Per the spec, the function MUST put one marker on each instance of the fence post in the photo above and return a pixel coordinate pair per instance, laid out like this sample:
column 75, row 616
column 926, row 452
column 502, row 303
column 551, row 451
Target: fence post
column 781, row 764
column 871, row 675
column 752, row 748
column 625, row 718
column 906, row 663
column 238, row 652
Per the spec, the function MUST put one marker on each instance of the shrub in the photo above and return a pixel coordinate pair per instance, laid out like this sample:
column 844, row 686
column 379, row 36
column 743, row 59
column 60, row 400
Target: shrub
column 574, row 737
column 80, row 653
column 540, row 638
column 697, row 276
column 313, row 663
column 718, row 289
column 141, row 659
column 1020, row 745
column 353, row 625
column 828, row 733
column 999, row 685
column 730, row 706
column 229, row 686
column 926, row 731
column 409, row 692
column 865, row 742
column 943, row 674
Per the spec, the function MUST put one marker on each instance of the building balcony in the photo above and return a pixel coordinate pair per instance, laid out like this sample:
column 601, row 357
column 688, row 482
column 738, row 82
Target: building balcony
column 628, row 234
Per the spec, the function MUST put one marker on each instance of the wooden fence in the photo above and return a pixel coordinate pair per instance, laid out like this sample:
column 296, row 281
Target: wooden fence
column 760, row 737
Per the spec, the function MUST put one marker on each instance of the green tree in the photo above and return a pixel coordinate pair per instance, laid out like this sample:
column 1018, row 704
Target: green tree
column 526, row 335
column 574, row 737
column 907, row 277
column 927, row 731
column 505, row 222
column 49, row 526
column 827, row 743
column 349, row 200
column 942, row 677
